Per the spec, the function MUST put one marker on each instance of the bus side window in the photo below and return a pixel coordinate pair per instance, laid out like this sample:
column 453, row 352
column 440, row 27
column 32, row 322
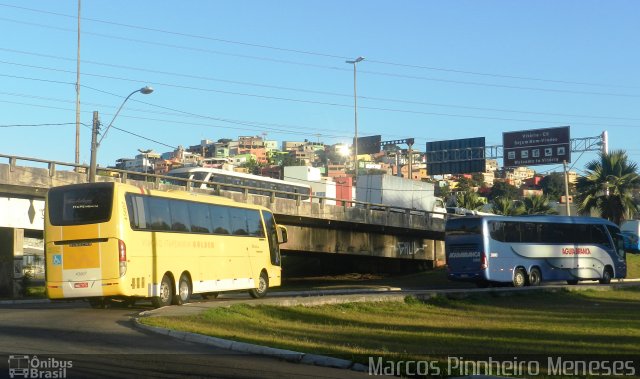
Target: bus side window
column 496, row 230
column 254, row 223
column 619, row 243
column 179, row 216
column 512, row 232
column 159, row 213
column 200, row 218
column 530, row 232
column 238, row 222
column 219, row 219
column 138, row 209
column 599, row 235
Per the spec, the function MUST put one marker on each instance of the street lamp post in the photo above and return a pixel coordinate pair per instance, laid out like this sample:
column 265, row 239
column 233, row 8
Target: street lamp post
column 355, row 116
column 95, row 144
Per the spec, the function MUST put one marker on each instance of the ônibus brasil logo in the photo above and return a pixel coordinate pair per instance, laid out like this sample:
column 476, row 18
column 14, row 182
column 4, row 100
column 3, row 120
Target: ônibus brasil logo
column 24, row 366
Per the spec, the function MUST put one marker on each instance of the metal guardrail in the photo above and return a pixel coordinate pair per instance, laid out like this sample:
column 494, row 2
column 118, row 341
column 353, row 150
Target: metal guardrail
column 157, row 179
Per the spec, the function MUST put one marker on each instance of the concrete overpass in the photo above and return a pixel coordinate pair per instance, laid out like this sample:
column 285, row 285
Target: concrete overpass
column 355, row 230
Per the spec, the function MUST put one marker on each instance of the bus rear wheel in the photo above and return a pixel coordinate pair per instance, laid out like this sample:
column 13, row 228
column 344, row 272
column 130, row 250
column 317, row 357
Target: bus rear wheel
column 184, row 290
column 165, row 295
column 519, row 278
column 535, row 278
column 607, row 274
column 263, row 286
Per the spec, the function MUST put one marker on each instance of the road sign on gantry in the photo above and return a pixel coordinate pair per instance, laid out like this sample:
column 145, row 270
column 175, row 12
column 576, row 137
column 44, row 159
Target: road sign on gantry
column 369, row 145
column 459, row 156
column 536, row 147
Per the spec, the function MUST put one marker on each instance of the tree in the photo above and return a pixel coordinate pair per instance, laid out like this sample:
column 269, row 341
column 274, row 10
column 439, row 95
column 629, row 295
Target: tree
column 507, row 207
column 538, row 205
column 469, row 200
column 252, row 166
column 466, row 184
column 607, row 187
column 442, row 191
column 553, row 186
column 502, row 189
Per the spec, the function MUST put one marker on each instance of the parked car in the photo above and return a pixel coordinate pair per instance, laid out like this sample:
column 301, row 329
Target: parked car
column 631, row 241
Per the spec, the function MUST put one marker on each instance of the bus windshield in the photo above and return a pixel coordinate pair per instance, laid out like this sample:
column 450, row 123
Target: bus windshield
column 464, row 225
column 81, row 205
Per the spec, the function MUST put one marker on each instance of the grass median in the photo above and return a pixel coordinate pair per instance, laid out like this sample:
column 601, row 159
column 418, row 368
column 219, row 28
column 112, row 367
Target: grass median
column 586, row 322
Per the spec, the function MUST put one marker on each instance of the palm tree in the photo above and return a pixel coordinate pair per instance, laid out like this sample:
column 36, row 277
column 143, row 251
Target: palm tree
column 607, row 187
column 538, row 205
column 507, row 207
column 469, row 200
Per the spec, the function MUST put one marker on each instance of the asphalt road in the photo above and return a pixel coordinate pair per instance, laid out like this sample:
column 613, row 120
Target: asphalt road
column 103, row 343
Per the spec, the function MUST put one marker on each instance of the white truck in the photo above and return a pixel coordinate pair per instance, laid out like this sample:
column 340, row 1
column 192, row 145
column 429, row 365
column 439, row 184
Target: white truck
column 399, row 192
column 631, row 226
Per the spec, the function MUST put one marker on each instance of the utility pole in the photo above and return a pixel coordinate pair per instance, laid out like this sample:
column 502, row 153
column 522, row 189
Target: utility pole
column 355, row 116
column 410, row 173
column 94, row 146
column 566, row 188
column 78, row 93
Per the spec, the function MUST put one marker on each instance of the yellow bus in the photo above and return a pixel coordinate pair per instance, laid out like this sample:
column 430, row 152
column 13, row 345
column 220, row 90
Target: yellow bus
column 108, row 241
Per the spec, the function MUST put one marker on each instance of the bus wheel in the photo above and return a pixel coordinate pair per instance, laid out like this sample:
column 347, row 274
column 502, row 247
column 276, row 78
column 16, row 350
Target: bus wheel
column 165, row 296
column 572, row 282
column 519, row 278
column 535, row 278
column 606, row 276
column 263, row 286
column 184, row 288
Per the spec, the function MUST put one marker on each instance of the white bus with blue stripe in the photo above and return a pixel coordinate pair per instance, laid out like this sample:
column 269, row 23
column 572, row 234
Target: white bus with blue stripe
column 527, row 250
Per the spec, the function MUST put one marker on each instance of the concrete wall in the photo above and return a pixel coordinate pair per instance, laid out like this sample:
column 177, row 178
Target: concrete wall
column 344, row 241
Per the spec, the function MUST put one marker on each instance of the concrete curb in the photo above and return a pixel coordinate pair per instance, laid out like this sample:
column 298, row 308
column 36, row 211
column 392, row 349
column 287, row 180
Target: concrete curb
column 327, row 292
column 243, row 347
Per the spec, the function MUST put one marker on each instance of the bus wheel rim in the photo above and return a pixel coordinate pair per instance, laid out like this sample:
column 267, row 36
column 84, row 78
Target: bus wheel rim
column 164, row 292
column 184, row 290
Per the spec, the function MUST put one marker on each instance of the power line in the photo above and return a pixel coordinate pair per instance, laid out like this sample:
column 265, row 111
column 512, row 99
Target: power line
column 348, row 106
column 143, row 137
column 326, row 55
column 47, row 124
column 273, row 60
column 262, row 85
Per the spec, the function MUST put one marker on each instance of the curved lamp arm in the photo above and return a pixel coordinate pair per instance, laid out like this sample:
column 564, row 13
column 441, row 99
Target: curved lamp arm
column 144, row 90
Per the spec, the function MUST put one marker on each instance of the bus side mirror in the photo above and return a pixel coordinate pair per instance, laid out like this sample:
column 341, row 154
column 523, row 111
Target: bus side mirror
column 282, row 234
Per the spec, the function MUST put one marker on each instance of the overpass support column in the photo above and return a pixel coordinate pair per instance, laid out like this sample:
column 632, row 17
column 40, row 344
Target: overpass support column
column 11, row 249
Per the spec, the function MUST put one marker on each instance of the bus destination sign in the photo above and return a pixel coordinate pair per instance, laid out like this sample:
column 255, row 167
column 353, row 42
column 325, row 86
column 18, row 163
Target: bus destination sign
column 536, row 147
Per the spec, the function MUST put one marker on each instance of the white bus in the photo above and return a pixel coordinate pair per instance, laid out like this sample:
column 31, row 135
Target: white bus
column 529, row 249
column 214, row 176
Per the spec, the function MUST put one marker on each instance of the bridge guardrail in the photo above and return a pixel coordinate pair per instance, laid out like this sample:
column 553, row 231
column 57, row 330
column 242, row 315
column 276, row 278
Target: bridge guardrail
column 158, row 179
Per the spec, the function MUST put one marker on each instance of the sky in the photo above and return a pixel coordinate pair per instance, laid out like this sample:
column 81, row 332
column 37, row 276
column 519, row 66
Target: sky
column 433, row 70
